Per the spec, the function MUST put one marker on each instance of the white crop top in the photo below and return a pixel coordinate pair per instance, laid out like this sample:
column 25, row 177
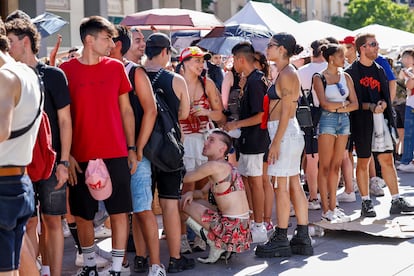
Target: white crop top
column 18, row 151
column 333, row 93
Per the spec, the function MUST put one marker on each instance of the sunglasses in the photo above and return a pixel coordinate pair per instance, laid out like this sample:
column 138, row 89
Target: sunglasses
column 272, row 44
column 340, row 88
column 372, row 44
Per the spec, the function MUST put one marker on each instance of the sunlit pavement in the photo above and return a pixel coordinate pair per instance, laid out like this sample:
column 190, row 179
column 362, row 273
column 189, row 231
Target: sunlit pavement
column 336, row 253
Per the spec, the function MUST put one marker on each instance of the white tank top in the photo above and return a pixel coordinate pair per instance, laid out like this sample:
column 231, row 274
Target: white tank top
column 18, row 151
column 332, row 92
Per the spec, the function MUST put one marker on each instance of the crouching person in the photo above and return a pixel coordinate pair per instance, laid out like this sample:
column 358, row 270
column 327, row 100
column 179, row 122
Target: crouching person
column 223, row 220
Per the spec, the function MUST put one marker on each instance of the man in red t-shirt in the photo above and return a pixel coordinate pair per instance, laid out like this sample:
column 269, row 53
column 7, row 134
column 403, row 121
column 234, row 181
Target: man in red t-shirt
column 103, row 127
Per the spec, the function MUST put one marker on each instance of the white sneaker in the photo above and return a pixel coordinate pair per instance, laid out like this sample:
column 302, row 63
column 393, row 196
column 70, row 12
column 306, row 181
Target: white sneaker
column 406, row 168
column 380, row 181
column 185, row 247
column 269, row 227
column 345, row 197
column 355, row 185
column 292, row 211
column 314, row 204
column 157, row 270
column 65, row 228
column 374, row 187
column 102, row 232
column 100, row 261
column 329, row 216
column 125, row 270
column 259, row 234
column 342, row 217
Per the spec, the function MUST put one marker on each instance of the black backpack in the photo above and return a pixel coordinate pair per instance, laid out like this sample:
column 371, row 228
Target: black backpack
column 315, row 111
column 164, row 147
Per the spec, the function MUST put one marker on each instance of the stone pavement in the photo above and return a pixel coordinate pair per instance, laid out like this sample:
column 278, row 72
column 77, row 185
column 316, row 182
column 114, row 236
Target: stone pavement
column 336, row 253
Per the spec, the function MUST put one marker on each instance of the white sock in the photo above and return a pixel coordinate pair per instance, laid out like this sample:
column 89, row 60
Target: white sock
column 396, row 196
column 117, row 258
column 89, row 256
column 258, row 224
column 365, row 197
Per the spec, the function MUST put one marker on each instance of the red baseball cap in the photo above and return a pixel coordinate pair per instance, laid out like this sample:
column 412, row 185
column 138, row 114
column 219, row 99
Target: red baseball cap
column 194, row 51
column 348, row 40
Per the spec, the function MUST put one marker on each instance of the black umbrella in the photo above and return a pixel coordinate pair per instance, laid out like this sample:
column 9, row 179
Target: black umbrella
column 220, row 40
column 48, row 23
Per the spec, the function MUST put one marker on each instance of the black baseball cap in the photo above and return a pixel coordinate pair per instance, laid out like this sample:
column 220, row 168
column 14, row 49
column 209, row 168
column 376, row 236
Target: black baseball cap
column 160, row 40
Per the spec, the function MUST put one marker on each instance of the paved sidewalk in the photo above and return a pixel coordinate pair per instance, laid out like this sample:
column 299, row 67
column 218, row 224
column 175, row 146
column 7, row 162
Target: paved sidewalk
column 336, row 253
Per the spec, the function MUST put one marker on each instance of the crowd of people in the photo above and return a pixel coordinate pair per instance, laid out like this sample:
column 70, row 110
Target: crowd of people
column 244, row 149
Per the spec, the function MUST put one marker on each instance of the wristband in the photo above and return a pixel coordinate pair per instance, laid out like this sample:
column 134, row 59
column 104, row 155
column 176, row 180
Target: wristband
column 133, row 148
column 65, row 163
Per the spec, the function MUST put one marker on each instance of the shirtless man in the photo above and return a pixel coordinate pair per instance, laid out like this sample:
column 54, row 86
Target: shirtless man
column 227, row 211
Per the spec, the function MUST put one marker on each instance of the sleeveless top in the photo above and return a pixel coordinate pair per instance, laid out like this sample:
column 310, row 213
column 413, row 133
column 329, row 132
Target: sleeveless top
column 133, row 98
column 332, row 91
column 233, row 104
column 193, row 123
column 271, row 93
column 18, row 151
column 236, row 183
column 165, row 82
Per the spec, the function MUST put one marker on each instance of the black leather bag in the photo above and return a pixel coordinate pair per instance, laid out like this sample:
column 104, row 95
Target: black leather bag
column 304, row 116
column 303, row 112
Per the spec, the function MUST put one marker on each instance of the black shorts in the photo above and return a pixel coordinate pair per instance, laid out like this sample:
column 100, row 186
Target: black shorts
column 81, row 202
column 168, row 183
column 400, row 112
column 311, row 141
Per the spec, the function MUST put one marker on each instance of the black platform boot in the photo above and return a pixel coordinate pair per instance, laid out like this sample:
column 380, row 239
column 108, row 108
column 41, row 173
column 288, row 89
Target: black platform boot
column 301, row 242
column 277, row 245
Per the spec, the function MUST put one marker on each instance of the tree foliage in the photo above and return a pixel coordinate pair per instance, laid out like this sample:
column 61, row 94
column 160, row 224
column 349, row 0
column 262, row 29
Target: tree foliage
column 361, row 13
column 205, row 6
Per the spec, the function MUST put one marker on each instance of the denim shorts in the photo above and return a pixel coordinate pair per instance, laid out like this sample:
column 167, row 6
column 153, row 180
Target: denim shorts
column 334, row 123
column 141, row 187
column 16, row 205
column 52, row 202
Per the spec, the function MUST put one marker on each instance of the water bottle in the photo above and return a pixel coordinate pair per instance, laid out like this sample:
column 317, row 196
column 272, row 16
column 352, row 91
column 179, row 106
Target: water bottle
column 316, row 231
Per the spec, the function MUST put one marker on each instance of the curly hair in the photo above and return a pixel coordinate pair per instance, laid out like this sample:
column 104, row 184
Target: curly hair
column 21, row 28
column 4, row 42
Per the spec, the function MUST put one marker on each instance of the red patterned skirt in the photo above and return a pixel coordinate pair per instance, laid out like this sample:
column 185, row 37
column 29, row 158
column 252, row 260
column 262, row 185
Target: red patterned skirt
column 230, row 234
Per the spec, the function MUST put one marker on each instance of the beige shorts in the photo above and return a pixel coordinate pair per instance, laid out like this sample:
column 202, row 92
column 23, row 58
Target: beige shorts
column 251, row 164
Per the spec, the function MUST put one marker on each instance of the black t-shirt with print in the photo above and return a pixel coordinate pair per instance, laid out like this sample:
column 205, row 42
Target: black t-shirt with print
column 253, row 139
column 370, row 83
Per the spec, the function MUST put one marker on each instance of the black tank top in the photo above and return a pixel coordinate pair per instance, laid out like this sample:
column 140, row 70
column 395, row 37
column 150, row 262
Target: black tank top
column 233, row 104
column 165, row 83
column 236, row 79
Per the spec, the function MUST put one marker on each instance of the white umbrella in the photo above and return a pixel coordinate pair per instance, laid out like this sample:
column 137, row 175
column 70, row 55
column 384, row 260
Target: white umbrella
column 388, row 37
column 309, row 31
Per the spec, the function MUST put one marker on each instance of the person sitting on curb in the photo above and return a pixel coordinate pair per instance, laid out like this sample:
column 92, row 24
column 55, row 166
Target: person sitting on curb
column 223, row 222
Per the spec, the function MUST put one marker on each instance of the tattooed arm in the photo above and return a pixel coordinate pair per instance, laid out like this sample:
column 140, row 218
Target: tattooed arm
column 216, row 104
column 288, row 84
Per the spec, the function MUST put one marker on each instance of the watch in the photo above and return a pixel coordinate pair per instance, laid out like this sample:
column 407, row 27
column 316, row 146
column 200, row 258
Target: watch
column 64, row 163
column 133, row 148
